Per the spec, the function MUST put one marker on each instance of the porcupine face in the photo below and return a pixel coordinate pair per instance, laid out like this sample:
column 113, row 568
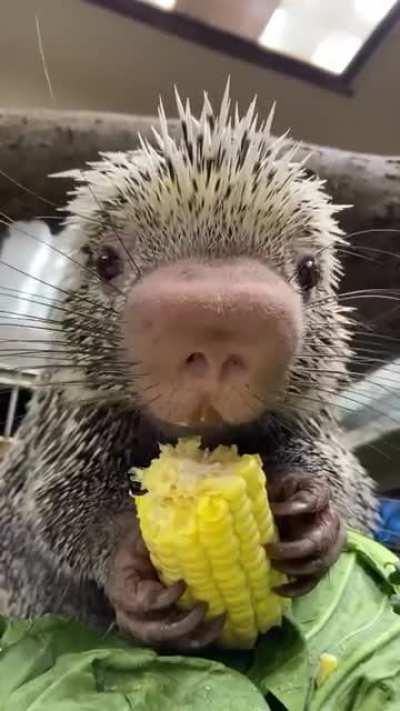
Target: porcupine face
column 209, row 293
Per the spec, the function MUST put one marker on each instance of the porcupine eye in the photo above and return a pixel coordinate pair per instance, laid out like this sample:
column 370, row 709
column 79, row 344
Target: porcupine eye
column 308, row 273
column 108, row 263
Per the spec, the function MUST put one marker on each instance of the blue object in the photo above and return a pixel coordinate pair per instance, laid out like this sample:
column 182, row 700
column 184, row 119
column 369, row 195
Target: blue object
column 389, row 531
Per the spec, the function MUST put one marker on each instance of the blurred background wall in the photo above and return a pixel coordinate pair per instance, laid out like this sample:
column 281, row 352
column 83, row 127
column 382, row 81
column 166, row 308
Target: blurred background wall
column 102, row 61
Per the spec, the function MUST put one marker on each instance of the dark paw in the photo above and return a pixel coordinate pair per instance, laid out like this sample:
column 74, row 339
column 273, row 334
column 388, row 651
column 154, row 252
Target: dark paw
column 311, row 532
column 147, row 610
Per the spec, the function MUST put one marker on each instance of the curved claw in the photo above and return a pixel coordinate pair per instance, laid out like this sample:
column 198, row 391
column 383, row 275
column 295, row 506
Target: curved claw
column 304, row 567
column 324, row 534
column 149, row 596
column 206, row 634
column 171, row 627
column 310, row 558
column 293, row 495
column 298, row 587
column 312, row 534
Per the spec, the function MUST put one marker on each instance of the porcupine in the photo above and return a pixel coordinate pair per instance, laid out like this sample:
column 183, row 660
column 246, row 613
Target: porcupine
column 207, row 301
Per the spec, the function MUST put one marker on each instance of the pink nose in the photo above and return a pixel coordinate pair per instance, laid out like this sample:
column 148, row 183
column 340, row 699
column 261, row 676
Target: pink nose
column 211, row 337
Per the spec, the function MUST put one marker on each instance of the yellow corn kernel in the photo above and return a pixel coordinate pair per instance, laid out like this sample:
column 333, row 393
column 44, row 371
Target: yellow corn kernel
column 328, row 663
column 205, row 519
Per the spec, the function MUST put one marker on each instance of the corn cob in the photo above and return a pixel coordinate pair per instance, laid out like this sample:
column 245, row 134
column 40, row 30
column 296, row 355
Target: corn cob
column 205, row 519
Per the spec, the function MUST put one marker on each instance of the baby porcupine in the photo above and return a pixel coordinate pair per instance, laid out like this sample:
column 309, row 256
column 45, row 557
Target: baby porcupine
column 207, row 302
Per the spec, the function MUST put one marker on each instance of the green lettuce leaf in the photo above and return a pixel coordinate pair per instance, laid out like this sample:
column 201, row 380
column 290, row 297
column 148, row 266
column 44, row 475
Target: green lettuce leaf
column 54, row 664
column 350, row 616
column 281, row 667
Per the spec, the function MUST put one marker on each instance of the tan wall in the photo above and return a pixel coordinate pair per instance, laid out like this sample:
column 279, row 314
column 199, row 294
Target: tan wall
column 99, row 60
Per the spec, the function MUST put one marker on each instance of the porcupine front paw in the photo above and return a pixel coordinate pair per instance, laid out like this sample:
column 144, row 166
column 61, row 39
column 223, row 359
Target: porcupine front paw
column 311, row 532
column 146, row 609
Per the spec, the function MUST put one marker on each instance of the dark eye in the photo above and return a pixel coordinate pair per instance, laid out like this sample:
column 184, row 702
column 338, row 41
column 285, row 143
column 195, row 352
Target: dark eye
column 308, row 273
column 108, row 263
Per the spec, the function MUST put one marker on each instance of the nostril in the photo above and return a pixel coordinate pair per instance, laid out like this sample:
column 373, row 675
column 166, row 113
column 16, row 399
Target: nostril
column 233, row 365
column 197, row 364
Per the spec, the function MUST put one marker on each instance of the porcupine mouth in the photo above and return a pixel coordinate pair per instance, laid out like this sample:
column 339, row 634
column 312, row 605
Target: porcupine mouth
column 206, row 422
column 247, row 436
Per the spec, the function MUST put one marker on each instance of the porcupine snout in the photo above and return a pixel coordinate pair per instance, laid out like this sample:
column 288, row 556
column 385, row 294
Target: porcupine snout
column 213, row 340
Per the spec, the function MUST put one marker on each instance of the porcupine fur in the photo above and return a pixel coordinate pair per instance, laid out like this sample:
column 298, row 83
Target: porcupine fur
column 225, row 188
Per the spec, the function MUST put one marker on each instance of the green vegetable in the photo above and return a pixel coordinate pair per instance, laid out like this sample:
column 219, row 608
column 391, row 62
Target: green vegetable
column 53, row 664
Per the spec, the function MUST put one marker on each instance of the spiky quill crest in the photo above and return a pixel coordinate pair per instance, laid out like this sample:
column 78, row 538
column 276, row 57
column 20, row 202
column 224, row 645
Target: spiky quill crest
column 226, row 187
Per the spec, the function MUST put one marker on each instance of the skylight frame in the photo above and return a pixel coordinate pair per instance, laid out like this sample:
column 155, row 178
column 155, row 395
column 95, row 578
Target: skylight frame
column 217, row 39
